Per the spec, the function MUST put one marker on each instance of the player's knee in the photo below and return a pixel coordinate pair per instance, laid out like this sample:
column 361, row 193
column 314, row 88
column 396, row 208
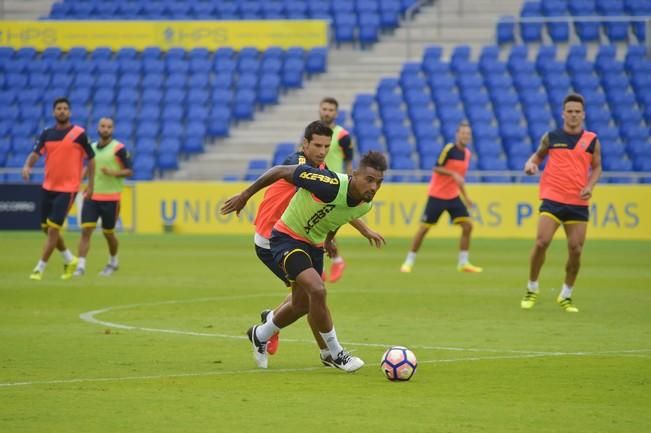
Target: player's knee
column 300, row 305
column 87, row 232
column 318, row 293
column 542, row 243
column 466, row 227
column 575, row 248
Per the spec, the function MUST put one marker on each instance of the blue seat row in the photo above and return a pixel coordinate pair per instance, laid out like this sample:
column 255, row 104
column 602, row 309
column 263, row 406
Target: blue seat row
column 163, row 106
column 359, row 20
column 510, row 104
column 587, row 26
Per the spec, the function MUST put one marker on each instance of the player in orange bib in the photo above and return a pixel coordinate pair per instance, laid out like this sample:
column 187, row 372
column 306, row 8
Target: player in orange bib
column 572, row 171
column 445, row 191
column 65, row 146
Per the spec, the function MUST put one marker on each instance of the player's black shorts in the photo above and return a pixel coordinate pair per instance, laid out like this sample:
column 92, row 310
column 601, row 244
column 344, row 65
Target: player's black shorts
column 436, row 206
column 564, row 213
column 55, row 206
column 267, row 258
column 109, row 211
column 294, row 256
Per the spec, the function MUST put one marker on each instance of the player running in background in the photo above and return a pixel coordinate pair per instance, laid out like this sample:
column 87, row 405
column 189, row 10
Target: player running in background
column 65, row 146
column 112, row 165
column 340, row 160
column 571, row 173
column 324, row 202
column 445, row 191
column 316, row 142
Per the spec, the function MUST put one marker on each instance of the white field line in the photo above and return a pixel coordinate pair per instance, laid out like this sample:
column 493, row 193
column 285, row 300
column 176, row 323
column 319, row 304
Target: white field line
column 89, row 317
column 283, row 370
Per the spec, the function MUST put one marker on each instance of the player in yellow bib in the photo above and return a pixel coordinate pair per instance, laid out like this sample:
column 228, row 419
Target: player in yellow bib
column 113, row 164
column 340, row 160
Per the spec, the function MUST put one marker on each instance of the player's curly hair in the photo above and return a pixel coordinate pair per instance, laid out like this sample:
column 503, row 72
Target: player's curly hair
column 375, row 160
column 317, row 128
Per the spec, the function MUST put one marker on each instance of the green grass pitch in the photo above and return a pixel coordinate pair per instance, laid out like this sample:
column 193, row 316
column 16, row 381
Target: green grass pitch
column 162, row 346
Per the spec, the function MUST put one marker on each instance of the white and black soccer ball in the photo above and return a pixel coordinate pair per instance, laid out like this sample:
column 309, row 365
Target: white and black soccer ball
column 398, row 363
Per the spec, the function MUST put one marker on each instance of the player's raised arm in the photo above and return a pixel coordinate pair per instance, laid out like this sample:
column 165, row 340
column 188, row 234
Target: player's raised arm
column 237, row 202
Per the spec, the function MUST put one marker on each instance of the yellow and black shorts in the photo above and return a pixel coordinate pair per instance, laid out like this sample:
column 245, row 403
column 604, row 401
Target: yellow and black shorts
column 109, row 211
column 55, row 206
column 436, row 206
column 564, row 213
column 294, row 256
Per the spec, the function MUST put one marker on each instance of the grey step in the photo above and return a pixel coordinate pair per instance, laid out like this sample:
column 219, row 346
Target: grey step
column 27, row 10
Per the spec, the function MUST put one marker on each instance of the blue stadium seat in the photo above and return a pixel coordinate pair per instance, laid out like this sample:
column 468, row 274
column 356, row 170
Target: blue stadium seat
column 244, row 104
column 488, row 148
column 292, row 75
column 505, row 30
column 530, row 32
column 194, row 138
column 255, row 168
column 282, row 151
column 517, row 162
column 494, row 164
column 143, row 167
column 268, row 89
column 316, row 61
column 639, row 149
column 558, row 31
column 406, row 164
column 26, row 53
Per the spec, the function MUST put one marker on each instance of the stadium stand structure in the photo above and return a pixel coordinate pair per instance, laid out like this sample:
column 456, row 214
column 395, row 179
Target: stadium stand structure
column 510, row 90
column 164, row 104
column 512, row 93
column 359, row 20
column 167, row 104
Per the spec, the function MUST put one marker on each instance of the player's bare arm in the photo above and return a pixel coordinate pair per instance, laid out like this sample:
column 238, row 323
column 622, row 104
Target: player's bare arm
column 91, row 178
column 531, row 166
column 330, row 245
column 595, row 172
column 123, row 172
column 237, row 202
column 466, row 197
column 372, row 236
column 29, row 163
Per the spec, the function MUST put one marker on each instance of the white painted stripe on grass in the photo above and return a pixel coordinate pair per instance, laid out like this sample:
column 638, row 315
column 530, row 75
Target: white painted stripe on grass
column 89, row 317
column 153, row 377
column 291, row 370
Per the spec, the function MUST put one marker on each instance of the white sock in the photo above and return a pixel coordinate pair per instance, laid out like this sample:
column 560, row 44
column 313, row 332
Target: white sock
column 266, row 330
column 566, row 291
column 113, row 261
column 330, row 339
column 463, row 257
column 324, row 353
column 337, row 259
column 40, row 266
column 67, row 256
column 82, row 263
column 532, row 286
column 270, row 316
column 411, row 258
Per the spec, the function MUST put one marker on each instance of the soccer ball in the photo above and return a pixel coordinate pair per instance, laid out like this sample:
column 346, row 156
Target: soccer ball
column 398, row 363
